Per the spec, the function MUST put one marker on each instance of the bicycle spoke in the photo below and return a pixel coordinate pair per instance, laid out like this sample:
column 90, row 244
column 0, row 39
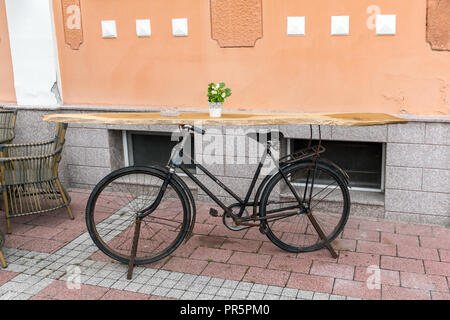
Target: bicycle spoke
column 300, row 232
column 121, row 201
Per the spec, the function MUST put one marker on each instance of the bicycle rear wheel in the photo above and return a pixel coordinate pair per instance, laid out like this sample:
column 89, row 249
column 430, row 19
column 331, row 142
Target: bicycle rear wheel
column 115, row 203
column 328, row 201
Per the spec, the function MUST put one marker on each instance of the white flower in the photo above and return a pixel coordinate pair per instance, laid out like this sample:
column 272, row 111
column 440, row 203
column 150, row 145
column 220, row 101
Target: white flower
column 223, row 95
column 213, row 92
column 217, row 86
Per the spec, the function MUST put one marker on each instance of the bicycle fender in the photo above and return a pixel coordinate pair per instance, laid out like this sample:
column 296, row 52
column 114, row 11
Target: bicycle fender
column 325, row 162
column 337, row 168
column 186, row 189
column 259, row 192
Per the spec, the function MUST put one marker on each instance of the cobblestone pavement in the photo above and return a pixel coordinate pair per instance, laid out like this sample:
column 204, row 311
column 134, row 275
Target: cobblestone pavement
column 48, row 255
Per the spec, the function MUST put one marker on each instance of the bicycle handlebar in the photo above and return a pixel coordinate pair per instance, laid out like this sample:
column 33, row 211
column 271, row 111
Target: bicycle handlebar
column 192, row 128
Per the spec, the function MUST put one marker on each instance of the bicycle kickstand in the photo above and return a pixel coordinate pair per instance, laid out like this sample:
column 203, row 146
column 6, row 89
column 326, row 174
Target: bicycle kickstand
column 321, row 234
column 137, row 229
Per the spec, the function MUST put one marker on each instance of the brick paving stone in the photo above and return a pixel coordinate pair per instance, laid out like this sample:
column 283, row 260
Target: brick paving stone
column 196, row 287
column 423, row 281
column 245, row 286
column 269, row 296
column 340, row 271
column 206, row 241
column 366, row 235
column 376, row 248
column 402, row 264
column 305, row 295
column 266, row 276
column 58, row 290
column 204, row 296
column 437, row 268
column 386, row 276
column 153, row 297
column 398, row 293
column 240, row 294
column 185, row 265
column 385, row 226
column 417, row 253
column 355, row 289
column 203, row 228
column 414, row 229
column 53, row 220
column 114, row 294
column 5, row 276
column 241, row 245
column 353, row 222
column 254, row 234
column 310, row 282
column 436, row 243
column 160, row 291
column 400, row 239
column 440, row 295
column 43, row 232
column 290, row 264
column 322, row 255
column 225, row 292
column 270, row 249
column 359, row 259
column 255, row 296
column 189, row 295
column 444, row 255
column 225, row 271
column 19, row 228
column 202, row 279
column 250, row 259
column 175, row 293
column 42, row 245
column 274, row 290
column 337, row 297
column 321, row 296
column 259, row 288
column 216, row 282
column 209, row 289
column 67, row 235
column 185, row 250
column 211, row 254
column 259, row 269
column 15, row 241
column 344, row 244
column 289, row 292
column 441, row 232
column 222, row 231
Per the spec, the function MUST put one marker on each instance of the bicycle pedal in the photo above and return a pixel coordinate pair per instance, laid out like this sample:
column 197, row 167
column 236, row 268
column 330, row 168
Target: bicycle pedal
column 213, row 212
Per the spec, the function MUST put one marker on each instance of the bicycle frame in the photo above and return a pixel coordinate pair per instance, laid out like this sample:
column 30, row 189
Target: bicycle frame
column 301, row 207
column 175, row 161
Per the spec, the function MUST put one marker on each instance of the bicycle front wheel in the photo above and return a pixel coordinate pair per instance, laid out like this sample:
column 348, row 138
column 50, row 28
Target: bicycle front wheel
column 120, row 197
column 327, row 201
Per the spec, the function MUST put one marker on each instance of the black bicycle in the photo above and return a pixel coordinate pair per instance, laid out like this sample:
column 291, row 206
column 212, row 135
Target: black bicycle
column 139, row 215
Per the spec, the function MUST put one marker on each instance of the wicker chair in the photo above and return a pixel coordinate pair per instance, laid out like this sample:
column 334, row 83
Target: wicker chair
column 29, row 177
column 7, row 125
column 2, row 257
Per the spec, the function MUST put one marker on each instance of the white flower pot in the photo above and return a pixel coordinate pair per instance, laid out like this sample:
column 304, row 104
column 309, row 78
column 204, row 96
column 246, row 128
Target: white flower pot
column 215, row 109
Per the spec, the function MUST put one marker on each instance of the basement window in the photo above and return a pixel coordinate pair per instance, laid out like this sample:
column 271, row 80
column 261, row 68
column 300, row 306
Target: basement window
column 363, row 161
column 148, row 148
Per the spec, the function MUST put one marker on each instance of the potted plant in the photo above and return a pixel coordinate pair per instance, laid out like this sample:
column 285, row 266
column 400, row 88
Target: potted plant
column 217, row 93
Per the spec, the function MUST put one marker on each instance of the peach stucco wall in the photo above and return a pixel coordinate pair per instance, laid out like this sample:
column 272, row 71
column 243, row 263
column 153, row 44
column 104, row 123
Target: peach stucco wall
column 7, row 92
column 318, row 72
